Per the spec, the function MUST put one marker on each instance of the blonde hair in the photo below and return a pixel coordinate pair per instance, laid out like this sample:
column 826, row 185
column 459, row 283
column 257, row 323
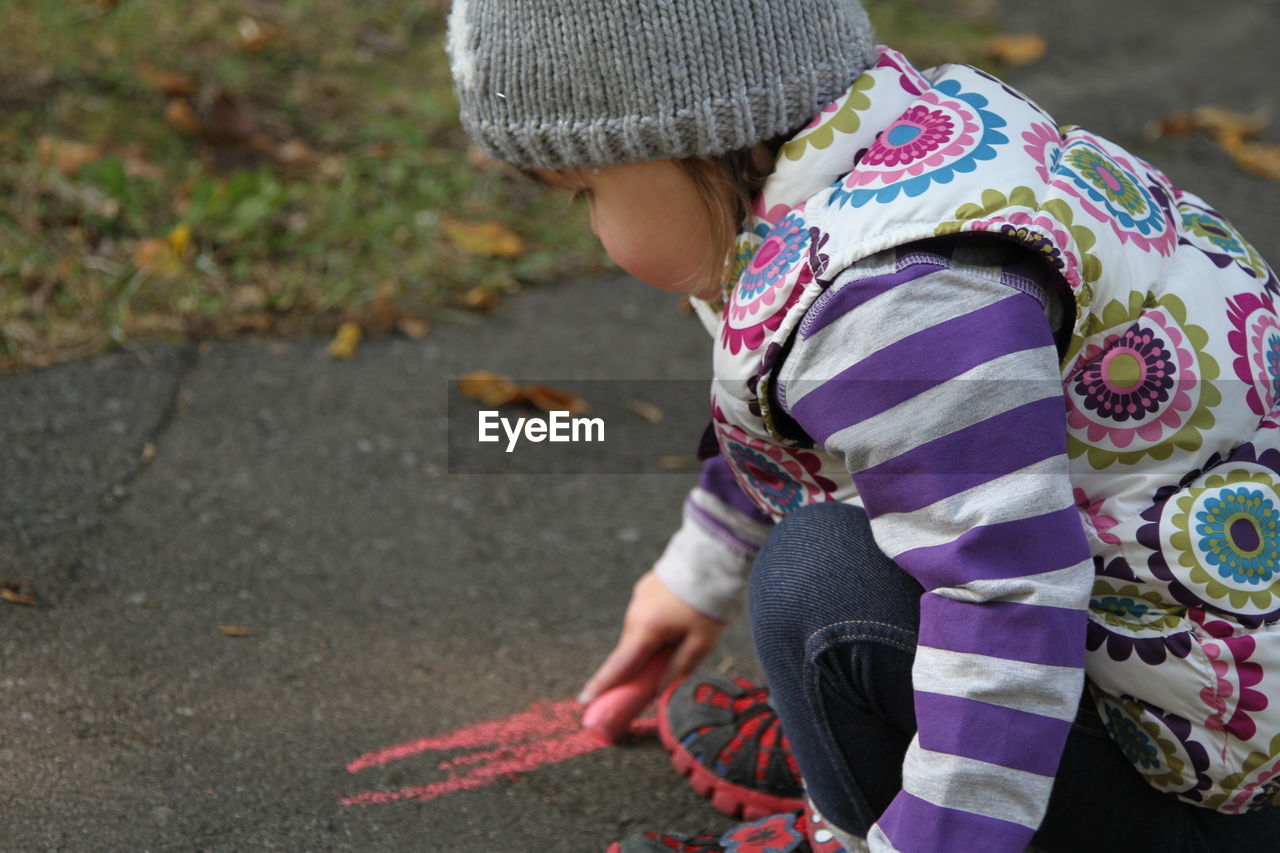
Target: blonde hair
column 727, row 185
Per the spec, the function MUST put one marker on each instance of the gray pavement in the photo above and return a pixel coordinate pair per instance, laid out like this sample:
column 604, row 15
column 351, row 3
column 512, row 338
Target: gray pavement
column 309, row 499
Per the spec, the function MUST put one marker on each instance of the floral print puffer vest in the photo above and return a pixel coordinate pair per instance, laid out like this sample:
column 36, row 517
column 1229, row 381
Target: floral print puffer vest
column 1171, row 383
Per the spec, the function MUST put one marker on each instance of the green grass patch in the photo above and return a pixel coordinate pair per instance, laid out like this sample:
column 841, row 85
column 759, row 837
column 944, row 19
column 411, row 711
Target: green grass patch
column 183, row 170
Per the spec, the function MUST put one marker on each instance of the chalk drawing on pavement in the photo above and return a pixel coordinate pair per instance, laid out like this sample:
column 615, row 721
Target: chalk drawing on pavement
column 506, row 748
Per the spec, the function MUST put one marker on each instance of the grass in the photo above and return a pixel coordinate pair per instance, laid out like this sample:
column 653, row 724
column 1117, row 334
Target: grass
column 195, row 170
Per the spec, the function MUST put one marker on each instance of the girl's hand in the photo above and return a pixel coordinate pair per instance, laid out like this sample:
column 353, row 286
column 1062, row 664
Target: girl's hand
column 655, row 619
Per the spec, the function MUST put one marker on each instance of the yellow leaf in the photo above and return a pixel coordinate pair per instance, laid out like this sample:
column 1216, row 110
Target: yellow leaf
column 484, row 238
column 227, row 630
column 1259, row 158
column 492, row 389
column 554, row 400
column 1017, row 49
column 346, row 341
column 180, row 239
column 479, row 299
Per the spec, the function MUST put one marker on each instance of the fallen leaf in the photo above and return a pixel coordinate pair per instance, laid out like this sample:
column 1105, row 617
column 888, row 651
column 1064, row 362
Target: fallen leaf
column 1236, row 133
column 346, row 341
column 1017, row 49
column 18, row 591
column 1259, row 158
column 182, row 116
column 168, row 82
column 180, row 239
column 227, row 630
column 675, row 462
column 550, row 399
column 648, row 411
column 480, row 299
column 66, row 155
column 414, row 328
column 254, row 35
column 148, row 453
column 484, row 238
column 491, row 389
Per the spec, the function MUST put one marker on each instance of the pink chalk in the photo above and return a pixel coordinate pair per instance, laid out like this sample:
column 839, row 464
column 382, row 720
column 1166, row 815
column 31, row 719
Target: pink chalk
column 610, row 715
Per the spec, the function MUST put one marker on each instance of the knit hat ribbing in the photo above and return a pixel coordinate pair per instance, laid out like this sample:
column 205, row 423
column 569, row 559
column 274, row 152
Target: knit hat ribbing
column 559, row 83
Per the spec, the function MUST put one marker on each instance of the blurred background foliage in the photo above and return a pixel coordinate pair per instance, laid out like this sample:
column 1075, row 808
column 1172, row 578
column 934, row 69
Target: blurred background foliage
column 211, row 168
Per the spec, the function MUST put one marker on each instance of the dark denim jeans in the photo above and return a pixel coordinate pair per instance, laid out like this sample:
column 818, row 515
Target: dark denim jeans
column 835, row 625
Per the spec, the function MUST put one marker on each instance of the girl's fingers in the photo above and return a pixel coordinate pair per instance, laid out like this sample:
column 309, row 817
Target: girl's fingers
column 623, row 663
column 687, row 656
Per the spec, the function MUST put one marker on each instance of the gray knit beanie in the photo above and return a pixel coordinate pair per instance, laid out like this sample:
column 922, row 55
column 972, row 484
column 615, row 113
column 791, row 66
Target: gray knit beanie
column 559, row 83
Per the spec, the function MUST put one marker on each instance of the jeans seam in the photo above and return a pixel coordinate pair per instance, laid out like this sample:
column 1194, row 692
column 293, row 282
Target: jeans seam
column 903, row 644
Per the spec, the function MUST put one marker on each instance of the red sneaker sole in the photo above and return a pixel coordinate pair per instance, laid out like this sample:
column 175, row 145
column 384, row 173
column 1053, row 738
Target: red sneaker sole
column 726, row 797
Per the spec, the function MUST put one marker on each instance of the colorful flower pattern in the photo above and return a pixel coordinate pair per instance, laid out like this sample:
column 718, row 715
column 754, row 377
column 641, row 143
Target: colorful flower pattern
column 1215, row 538
column 1255, row 339
column 1141, row 384
column 1207, row 230
column 1049, row 229
column 840, row 116
column 778, row 479
column 1256, row 786
column 946, row 133
column 1127, row 619
column 1108, row 186
column 1233, row 701
column 771, row 283
column 1157, row 744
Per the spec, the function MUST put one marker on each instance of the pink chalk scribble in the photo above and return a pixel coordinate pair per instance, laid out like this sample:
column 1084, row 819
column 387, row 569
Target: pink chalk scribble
column 544, row 733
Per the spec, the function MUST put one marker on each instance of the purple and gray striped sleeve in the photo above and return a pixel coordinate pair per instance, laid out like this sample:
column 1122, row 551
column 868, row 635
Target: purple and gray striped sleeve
column 708, row 560
column 935, row 378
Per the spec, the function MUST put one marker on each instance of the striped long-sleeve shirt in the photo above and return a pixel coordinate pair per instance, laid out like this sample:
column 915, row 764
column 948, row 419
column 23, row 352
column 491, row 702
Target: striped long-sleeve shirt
column 936, row 380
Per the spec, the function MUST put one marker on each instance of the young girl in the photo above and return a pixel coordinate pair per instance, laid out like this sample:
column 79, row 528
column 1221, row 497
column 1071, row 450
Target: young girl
column 995, row 404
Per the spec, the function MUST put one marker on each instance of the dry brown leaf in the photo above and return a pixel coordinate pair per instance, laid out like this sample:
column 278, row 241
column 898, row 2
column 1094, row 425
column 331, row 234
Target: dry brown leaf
column 550, row 399
column 1017, row 49
column 168, row 82
column 1259, row 158
column 484, row 238
column 412, row 327
column 18, row 591
column 182, row 116
column 148, row 453
column 346, row 341
column 648, row 411
column 1234, row 132
column 491, row 389
column 228, row 630
column 479, row 299
column 254, row 35
column 66, row 155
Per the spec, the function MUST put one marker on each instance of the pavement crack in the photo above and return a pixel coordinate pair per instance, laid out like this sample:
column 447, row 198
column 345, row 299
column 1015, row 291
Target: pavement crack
column 188, row 359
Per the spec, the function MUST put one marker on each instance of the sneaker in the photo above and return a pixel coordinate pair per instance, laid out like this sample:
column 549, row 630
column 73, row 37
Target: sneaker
column 725, row 737
column 780, row 833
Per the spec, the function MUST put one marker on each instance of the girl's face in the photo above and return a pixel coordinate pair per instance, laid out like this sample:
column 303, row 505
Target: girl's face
column 651, row 221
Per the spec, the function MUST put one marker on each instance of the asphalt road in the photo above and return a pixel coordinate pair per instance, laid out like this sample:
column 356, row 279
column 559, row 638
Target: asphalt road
column 311, row 501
